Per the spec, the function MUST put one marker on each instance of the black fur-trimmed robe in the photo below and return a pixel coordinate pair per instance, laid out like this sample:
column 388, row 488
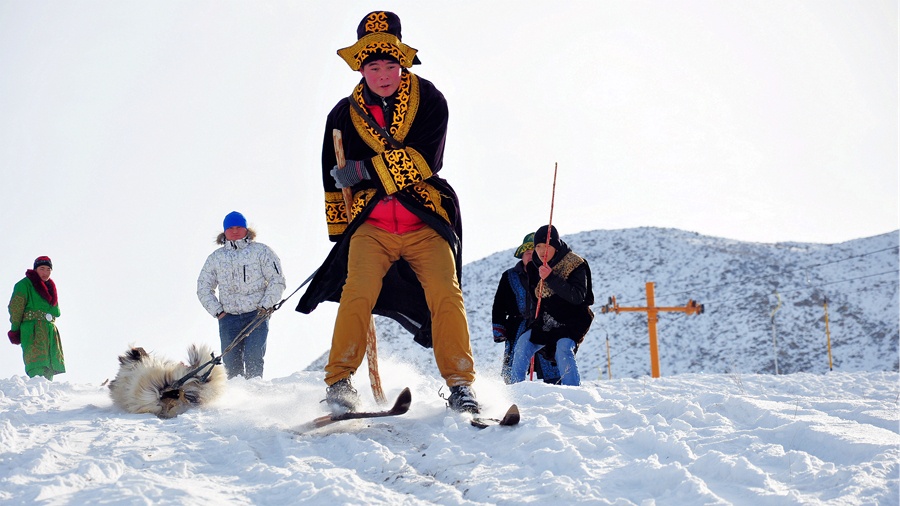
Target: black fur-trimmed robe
column 567, row 296
column 416, row 117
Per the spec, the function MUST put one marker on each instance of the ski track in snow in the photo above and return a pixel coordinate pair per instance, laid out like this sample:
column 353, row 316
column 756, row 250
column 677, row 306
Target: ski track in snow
column 689, row 439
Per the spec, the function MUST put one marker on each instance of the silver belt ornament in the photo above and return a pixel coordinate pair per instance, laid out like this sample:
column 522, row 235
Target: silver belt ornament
column 38, row 315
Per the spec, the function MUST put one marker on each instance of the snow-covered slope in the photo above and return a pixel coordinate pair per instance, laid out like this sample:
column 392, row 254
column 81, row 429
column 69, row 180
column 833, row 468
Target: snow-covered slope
column 739, row 283
column 799, row 439
column 735, row 435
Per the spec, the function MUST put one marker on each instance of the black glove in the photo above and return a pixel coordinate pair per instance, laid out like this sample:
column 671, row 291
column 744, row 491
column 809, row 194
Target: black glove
column 499, row 333
column 14, row 337
column 352, row 173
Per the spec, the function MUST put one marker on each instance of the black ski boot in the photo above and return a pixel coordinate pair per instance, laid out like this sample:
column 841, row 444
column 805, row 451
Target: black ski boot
column 462, row 399
column 341, row 396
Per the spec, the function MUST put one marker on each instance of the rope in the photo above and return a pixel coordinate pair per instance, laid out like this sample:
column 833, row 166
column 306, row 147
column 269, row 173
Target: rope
column 261, row 316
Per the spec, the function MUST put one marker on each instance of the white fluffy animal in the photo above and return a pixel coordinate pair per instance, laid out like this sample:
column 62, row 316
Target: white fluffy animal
column 146, row 384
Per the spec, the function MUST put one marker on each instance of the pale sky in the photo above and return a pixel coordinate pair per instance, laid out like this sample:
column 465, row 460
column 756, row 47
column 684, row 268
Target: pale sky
column 128, row 130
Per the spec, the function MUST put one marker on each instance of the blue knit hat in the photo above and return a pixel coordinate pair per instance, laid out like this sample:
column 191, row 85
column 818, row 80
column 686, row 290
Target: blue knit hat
column 234, row 219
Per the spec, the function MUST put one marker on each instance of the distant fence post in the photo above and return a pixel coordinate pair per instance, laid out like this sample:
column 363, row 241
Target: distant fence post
column 774, row 341
column 608, row 359
column 828, row 335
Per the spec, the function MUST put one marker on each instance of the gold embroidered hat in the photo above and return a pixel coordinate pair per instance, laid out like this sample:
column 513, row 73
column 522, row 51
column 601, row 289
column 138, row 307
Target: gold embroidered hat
column 379, row 34
column 527, row 244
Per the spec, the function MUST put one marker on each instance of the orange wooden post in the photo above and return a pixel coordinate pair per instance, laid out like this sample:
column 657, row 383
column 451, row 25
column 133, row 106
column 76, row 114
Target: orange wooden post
column 652, row 317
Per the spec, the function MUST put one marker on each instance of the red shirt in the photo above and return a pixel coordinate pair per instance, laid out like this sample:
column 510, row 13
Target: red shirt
column 389, row 213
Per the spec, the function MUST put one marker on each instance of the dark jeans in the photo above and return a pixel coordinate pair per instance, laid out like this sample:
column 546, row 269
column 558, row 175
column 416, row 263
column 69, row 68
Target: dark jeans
column 246, row 358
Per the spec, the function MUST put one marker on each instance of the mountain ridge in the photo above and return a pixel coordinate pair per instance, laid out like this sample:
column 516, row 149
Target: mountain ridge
column 740, row 285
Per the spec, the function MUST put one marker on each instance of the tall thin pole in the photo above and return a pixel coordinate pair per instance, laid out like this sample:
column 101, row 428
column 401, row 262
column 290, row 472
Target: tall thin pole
column 540, row 289
column 652, row 318
column 828, row 336
column 775, row 341
column 371, row 336
column 608, row 359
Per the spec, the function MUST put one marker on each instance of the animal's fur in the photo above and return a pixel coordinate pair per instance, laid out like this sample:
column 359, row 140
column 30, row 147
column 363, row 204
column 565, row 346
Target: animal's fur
column 144, row 382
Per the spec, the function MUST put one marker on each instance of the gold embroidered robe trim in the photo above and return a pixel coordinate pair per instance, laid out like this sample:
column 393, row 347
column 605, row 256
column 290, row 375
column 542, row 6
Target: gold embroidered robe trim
column 562, row 269
column 396, row 168
column 431, row 198
column 335, row 213
column 360, row 200
column 406, row 105
column 384, row 175
column 335, row 209
column 419, row 161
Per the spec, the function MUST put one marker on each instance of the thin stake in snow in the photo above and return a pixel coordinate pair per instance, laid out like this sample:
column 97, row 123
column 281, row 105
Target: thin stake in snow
column 774, row 341
column 608, row 359
column 828, row 336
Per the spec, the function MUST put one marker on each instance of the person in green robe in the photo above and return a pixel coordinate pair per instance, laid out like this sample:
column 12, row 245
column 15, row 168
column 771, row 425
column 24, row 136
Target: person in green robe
column 33, row 310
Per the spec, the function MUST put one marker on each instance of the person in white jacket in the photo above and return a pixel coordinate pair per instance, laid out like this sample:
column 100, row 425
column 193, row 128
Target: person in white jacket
column 249, row 278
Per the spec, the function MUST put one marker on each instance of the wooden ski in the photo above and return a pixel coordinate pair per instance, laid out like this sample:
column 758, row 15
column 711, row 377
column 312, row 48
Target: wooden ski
column 509, row 419
column 401, row 406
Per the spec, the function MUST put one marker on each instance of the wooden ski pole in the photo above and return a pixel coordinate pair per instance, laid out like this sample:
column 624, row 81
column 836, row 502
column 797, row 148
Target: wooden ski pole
column 371, row 336
column 540, row 289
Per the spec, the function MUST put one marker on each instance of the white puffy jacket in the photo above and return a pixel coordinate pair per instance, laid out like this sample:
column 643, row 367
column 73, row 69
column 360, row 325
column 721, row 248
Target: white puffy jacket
column 247, row 273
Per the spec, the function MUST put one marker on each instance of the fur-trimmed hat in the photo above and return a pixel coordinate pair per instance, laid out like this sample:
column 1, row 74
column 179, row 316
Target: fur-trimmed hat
column 540, row 237
column 42, row 260
column 527, row 244
column 378, row 35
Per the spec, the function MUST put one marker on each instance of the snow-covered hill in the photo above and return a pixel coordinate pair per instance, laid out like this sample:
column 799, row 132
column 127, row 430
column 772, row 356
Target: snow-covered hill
column 734, row 435
column 746, row 440
column 740, row 285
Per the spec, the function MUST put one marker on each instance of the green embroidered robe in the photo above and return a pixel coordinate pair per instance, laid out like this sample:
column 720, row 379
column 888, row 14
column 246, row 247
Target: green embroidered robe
column 31, row 301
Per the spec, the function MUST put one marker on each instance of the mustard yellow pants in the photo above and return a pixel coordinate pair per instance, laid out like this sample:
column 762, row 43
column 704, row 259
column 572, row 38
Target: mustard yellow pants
column 372, row 251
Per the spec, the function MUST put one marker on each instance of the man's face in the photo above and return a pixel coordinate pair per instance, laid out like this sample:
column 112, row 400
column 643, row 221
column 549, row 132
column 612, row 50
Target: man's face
column 235, row 233
column 382, row 76
column 544, row 251
column 526, row 257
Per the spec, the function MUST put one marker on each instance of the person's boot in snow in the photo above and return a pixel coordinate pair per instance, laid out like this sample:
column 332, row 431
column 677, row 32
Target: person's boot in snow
column 341, row 396
column 462, row 399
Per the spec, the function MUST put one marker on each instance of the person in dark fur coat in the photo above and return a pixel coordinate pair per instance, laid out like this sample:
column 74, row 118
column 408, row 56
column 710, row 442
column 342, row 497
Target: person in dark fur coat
column 513, row 312
column 400, row 252
column 565, row 313
column 512, row 305
column 33, row 310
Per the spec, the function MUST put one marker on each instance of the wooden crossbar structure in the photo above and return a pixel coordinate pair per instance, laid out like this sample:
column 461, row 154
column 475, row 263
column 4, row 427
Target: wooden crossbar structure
column 652, row 311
